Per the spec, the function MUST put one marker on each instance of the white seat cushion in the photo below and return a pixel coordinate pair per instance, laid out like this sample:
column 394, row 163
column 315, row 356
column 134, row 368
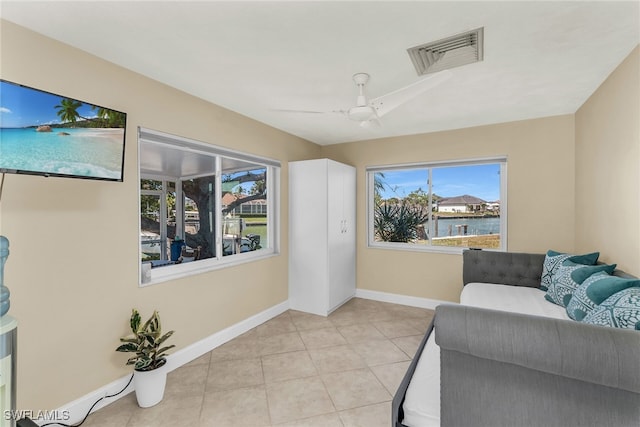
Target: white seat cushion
column 422, row 400
column 515, row 299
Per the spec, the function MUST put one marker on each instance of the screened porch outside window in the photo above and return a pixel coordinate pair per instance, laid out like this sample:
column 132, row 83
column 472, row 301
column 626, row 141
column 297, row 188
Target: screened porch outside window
column 202, row 207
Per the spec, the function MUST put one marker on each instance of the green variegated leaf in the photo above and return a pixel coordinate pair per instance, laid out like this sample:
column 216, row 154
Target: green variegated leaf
column 156, row 322
column 164, row 337
column 153, row 321
column 164, row 349
column 161, row 361
column 151, row 340
column 142, row 363
column 128, row 347
column 145, row 327
column 135, row 320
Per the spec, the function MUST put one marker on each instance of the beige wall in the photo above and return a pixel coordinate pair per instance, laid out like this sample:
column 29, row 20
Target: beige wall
column 608, row 168
column 73, row 267
column 540, row 179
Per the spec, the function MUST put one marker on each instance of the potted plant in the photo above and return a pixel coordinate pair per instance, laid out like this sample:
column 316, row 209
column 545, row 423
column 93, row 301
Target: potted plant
column 146, row 340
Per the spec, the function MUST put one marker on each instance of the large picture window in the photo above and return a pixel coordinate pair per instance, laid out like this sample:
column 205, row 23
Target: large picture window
column 202, row 206
column 438, row 206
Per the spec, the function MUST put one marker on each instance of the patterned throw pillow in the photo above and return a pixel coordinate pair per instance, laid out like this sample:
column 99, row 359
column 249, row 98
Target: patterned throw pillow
column 620, row 310
column 553, row 260
column 593, row 291
column 568, row 277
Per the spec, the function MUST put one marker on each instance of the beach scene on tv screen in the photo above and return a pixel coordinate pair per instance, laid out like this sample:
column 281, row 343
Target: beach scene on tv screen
column 46, row 133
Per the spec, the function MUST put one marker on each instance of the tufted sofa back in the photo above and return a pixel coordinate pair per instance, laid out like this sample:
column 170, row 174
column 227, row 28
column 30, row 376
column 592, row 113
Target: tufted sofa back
column 507, row 268
column 504, row 268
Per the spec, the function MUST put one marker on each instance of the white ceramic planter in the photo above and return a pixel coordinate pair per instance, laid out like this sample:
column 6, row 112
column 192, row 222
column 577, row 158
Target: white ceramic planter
column 149, row 386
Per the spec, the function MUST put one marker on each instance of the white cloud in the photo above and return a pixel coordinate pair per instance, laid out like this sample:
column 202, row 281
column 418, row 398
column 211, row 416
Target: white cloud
column 4, row 110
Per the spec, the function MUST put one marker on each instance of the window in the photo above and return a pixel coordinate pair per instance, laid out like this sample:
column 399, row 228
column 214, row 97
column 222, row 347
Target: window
column 202, row 206
column 438, row 206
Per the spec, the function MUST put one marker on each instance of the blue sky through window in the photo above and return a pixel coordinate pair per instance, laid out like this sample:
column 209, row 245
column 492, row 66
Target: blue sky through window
column 482, row 181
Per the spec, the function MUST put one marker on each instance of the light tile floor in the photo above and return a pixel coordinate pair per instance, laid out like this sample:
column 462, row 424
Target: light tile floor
column 296, row 369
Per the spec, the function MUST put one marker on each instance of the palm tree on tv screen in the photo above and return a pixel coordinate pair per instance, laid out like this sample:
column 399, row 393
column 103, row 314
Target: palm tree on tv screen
column 68, row 110
column 68, row 113
column 110, row 118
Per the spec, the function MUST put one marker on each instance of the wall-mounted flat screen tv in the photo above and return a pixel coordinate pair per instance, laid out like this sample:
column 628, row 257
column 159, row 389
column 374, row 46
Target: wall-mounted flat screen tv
column 42, row 133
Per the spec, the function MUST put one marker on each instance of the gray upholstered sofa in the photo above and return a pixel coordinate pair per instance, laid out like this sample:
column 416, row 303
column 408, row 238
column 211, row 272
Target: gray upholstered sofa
column 500, row 368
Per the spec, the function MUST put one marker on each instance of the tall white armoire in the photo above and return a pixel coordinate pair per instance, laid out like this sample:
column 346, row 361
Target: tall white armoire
column 322, row 235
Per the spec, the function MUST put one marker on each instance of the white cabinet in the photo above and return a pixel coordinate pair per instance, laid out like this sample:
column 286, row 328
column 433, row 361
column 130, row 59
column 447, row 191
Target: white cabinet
column 322, row 235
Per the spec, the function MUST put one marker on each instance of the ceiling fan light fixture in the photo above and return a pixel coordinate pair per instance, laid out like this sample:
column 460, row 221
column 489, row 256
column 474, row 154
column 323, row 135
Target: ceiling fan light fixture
column 361, row 113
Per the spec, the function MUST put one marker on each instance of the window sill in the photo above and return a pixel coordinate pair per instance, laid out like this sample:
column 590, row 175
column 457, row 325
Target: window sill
column 454, row 250
column 415, row 248
column 179, row 271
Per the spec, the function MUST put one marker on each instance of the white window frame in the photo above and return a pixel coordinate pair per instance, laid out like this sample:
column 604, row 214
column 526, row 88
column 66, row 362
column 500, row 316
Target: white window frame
column 162, row 195
column 177, row 271
column 370, row 173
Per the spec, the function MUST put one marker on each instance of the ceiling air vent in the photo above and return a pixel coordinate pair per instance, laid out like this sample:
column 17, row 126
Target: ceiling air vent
column 461, row 49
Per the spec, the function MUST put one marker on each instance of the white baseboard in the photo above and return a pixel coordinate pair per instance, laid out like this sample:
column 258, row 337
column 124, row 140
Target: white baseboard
column 399, row 299
column 75, row 411
column 197, row 349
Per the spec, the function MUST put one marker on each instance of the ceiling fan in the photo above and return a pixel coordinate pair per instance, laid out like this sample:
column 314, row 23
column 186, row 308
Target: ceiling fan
column 370, row 111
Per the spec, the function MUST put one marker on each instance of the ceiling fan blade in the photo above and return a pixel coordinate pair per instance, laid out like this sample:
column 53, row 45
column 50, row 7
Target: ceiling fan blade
column 280, row 110
column 299, row 111
column 386, row 103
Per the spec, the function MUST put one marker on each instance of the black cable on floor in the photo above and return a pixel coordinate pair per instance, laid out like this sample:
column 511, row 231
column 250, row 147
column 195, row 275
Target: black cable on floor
column 90, row 409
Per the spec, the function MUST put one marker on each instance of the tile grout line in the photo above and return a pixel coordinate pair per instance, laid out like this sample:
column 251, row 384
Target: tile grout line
column 204, row 393
column 266, row 393
column 319, row 376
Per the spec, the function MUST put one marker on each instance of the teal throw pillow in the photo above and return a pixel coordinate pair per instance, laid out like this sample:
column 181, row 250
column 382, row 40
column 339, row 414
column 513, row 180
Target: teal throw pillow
column 553, row 260
column 593, row 291
column 620, row 310
column 568, row 277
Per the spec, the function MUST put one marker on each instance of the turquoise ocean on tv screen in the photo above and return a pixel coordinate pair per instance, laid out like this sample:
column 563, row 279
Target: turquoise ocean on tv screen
column 88, row 152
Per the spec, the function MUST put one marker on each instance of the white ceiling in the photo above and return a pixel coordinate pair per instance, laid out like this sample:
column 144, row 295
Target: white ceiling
column 541, row 58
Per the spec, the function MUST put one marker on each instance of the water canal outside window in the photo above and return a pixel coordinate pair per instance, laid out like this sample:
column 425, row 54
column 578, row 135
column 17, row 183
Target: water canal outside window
column 441, row 206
